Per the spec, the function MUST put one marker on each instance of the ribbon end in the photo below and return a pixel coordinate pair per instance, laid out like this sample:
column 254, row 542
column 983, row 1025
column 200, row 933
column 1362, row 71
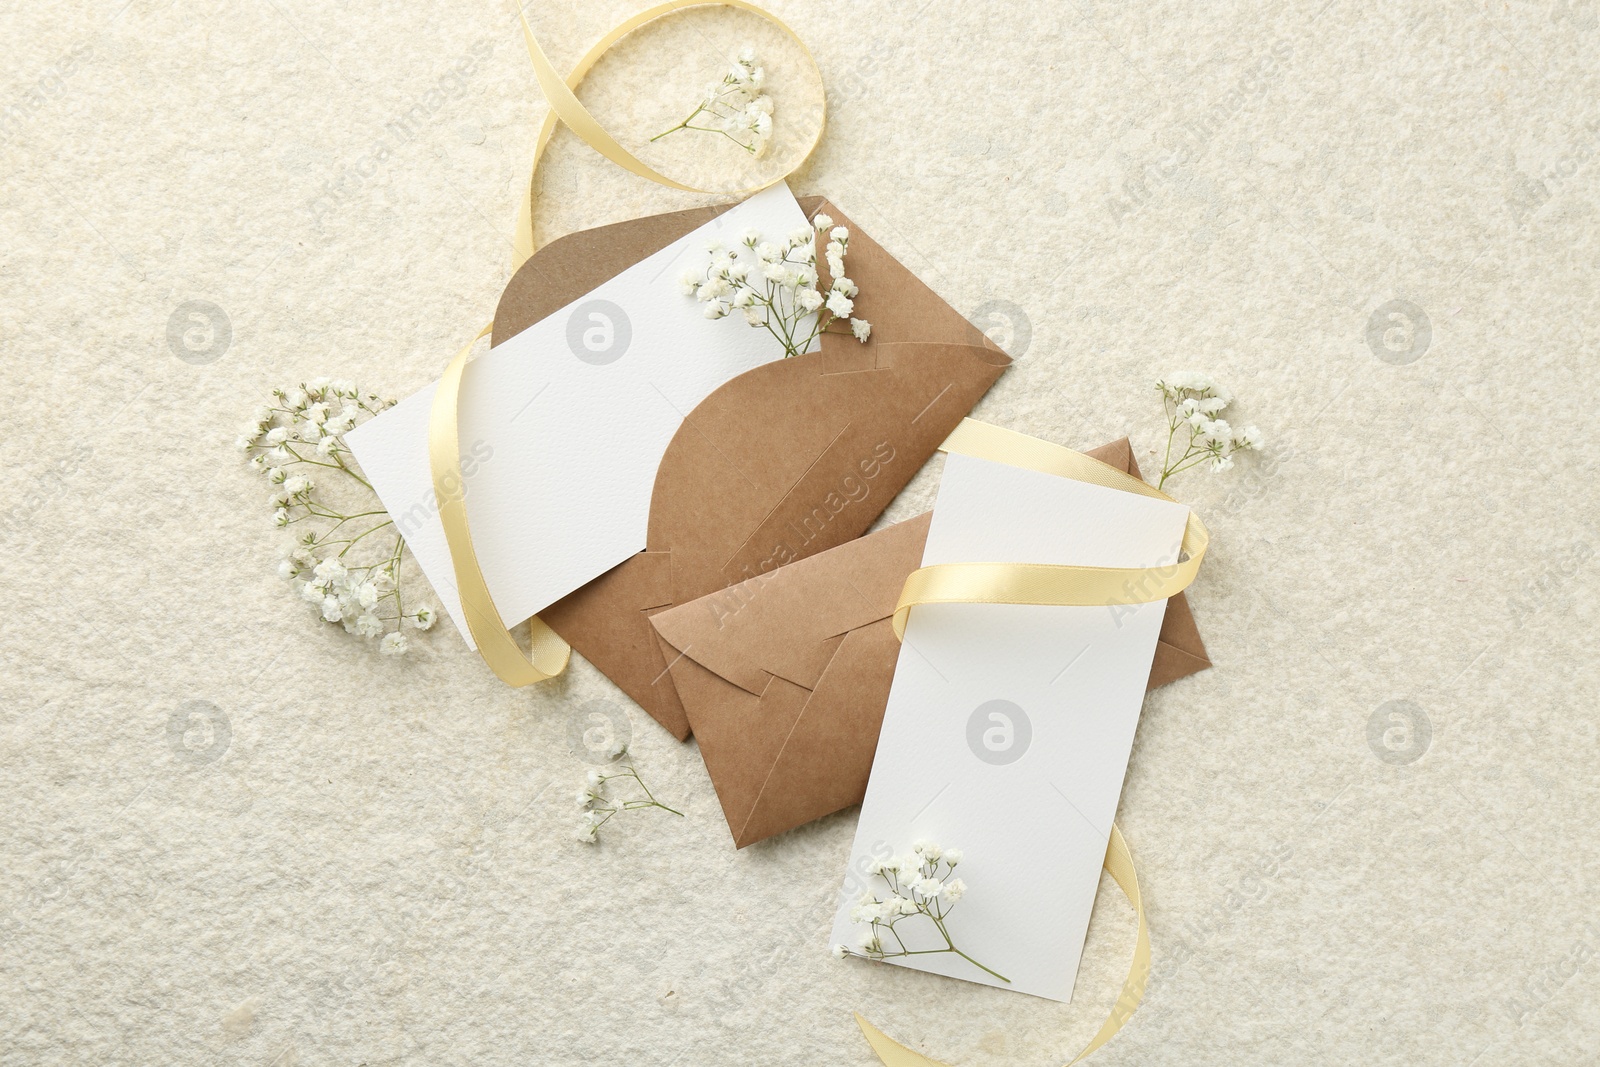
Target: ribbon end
column 890, row 1051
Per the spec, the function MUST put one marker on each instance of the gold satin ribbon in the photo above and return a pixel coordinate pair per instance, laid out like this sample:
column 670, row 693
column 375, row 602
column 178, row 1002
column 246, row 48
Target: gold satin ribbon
column 549, row 654
column 1042, row 583
column 1029, row 583
column 1119, row 863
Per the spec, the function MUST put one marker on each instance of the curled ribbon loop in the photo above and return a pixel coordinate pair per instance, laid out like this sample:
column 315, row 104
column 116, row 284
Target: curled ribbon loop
column 549, row 654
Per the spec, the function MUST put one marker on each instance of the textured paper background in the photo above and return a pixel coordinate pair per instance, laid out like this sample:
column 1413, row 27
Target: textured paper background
column 366, row 861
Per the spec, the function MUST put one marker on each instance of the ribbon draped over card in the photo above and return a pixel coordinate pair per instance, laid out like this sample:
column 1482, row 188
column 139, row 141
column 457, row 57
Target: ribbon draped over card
column 1034, row 583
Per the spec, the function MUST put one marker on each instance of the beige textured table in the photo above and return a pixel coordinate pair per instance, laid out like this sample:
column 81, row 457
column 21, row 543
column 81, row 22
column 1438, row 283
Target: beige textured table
column 1368, row 836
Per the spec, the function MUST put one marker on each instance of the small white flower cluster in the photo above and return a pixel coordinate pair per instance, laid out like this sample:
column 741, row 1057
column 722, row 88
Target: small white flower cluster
column 919, row 884
column 304, row 428
column 1194, row 402
column 741, row 111
column 598, row 808
column 776, row 285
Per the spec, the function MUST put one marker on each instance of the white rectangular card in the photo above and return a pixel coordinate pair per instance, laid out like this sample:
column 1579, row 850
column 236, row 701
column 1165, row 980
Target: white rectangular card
column 564, row 425
column 1008, row 727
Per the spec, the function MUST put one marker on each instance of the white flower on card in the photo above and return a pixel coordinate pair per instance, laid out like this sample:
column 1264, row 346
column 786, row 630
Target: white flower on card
column 916, row 885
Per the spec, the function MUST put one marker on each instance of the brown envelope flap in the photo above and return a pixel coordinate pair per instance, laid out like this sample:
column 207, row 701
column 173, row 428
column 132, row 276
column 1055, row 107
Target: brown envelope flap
column 784, row 461
column 837, row 729
column 781, row 624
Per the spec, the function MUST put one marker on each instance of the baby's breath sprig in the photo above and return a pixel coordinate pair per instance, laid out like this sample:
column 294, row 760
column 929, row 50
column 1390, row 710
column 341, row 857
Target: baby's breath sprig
column 775, row 285
column 297, row 443
column 1193, row 402
column 599, row 808
column 740, row 110
column 920, row 885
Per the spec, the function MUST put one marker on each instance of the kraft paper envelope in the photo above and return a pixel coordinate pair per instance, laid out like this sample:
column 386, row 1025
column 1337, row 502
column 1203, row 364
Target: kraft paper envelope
column 785, row 677
column 784, row 461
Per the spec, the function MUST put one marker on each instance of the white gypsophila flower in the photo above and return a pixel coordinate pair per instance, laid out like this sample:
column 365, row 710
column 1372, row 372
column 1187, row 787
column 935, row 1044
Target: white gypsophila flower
column 393, row 643
column 775, row 286
column 330, row 570
column 587, row 834
column 839, row 233
column 359, row 594
column 952, row 856
column 423, row 618
column 331, row 611
column 840, row 952
column 822, row 223
column 954, row 890
column 869, row 942
column 1194, row 403
column 593, row 779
